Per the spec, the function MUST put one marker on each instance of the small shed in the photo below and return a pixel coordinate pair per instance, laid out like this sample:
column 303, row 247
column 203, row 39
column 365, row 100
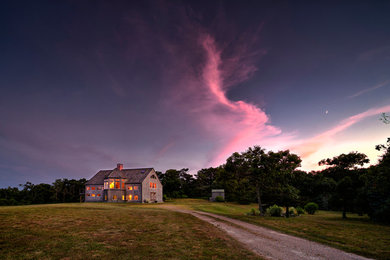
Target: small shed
column 215, row 193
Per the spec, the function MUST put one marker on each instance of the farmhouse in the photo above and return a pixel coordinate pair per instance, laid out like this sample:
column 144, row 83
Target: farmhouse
column 124, row 185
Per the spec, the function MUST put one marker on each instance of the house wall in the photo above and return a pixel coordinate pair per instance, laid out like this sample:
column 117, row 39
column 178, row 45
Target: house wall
column 146, row 189
column 94, row 193
column 118, row 193
column 134, row 192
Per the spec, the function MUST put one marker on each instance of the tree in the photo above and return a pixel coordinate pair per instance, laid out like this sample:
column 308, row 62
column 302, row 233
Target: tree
column 342, row 171
column 269, row 171
column 385, row 118
column 346, row 161
column 205, row 180
column 286, row 165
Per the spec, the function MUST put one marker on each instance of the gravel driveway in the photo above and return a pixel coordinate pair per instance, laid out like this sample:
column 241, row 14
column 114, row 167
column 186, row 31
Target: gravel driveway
column 267, row 243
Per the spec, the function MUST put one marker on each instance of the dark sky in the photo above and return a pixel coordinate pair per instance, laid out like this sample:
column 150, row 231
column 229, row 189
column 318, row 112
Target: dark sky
column 174, row 84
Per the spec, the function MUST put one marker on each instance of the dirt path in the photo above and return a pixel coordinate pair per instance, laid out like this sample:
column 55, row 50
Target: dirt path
column 268, row 243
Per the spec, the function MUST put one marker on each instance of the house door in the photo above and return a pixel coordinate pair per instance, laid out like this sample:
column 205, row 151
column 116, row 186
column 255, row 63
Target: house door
column 152, row 196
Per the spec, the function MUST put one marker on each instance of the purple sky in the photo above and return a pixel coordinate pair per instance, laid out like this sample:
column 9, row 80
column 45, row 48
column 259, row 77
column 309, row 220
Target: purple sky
column 174, row 84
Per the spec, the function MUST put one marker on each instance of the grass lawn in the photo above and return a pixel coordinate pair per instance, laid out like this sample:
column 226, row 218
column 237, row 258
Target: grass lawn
column 97, row 230
column 355, row 234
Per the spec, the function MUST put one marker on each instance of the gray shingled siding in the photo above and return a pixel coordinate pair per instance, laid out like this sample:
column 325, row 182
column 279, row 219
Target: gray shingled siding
column 118, row 193
column 133, row 193
column 147, row 190
column 94, row 195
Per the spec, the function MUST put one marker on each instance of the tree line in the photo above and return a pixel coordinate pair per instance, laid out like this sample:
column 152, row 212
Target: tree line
column 257, row 176
column 62, row 190
column 268, row 178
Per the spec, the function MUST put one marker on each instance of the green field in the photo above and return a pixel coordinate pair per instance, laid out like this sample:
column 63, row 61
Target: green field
column 149, row 231
column 85, row 231
column 355, row 234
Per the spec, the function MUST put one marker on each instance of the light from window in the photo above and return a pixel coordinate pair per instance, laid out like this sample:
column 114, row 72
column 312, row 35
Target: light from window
column 111, row 184
column 123, row 184
column 117, row 185
column 87, row 187
column 135, row 187
column 99, row 187
column 136, row 197
column 155, row 185
column 114, row 197
column 130, row 197
column 130, row 188
column 98, row 195
column 105, row 185
column 93, row 195
column 105, row 197
column 93, row 188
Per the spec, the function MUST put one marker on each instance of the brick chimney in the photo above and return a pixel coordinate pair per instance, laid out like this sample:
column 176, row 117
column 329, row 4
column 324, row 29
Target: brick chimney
column 119, row 166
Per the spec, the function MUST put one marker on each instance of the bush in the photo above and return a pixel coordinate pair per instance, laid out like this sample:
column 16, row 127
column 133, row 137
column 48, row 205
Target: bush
column 300, row 211
column 311, row 208
column 274, row 211
column 219, row 199
column 165, row 198
column 292, row 211
column 253, row 212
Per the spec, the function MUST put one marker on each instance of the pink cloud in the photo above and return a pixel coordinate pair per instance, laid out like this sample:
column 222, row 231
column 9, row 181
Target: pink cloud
column 243, row 124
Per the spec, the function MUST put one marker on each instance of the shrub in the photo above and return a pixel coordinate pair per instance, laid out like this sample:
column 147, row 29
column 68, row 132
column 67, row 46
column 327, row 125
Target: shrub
column 165, row 198
column 219, row 199
column 300, row 211
column 311, row 208
column 274, row 211
column 253, row 212
column 292, row 211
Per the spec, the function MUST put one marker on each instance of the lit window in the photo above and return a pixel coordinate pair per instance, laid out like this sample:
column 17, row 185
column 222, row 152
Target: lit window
column 105, row 185
column 99, row 187
column 93, row 195
column 136, row 197
column 93, row 188
column 98, row 195
column 155, row 185
column 114, row 197
column 130, row 187
column 117, row 185
column 123, row 197
column 105, row 197
column 111, row 184
column 150, row 185
column 135, row 187
column 123, row 185
column 130, row 197
column 87, row 187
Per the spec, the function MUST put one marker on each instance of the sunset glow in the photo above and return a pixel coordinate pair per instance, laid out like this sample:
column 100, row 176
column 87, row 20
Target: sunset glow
column 171, row 86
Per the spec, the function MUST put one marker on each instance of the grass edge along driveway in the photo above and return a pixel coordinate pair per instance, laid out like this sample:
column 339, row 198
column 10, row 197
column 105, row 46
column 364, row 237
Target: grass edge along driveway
column 356, row 234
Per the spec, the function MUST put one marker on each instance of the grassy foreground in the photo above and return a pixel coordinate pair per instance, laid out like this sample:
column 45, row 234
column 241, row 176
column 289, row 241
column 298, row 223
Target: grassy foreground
column 355, row 234
column 85, row 231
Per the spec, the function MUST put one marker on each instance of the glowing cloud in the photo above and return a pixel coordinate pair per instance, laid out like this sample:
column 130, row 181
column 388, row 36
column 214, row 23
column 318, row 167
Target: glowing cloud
column 245, row 123
column 308, row 147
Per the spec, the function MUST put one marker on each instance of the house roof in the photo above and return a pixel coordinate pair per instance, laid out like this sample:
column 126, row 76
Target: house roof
column 132, row 175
